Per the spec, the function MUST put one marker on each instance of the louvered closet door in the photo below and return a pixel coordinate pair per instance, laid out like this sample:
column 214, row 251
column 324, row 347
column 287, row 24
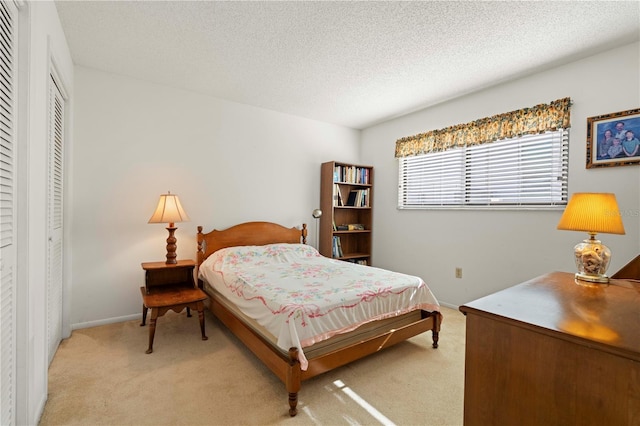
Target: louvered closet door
column 8, row 27
column 54, row 273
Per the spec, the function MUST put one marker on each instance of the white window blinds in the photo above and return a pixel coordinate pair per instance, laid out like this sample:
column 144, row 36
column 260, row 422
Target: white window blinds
column 529, row 171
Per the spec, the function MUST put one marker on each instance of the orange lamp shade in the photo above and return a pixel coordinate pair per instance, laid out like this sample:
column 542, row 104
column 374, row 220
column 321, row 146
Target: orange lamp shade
column 593, row 213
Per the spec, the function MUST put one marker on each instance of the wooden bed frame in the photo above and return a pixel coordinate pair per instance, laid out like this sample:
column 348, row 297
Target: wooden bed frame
column 285, row 364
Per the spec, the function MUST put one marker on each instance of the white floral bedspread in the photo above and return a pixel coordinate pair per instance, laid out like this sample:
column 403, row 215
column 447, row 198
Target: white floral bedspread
column 302, row 297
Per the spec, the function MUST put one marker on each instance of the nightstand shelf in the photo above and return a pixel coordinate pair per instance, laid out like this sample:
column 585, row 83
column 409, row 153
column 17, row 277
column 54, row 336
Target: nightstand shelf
column 158, row 274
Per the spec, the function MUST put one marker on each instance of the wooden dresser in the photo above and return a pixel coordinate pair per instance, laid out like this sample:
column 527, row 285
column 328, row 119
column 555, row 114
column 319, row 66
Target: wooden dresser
column 553, row 352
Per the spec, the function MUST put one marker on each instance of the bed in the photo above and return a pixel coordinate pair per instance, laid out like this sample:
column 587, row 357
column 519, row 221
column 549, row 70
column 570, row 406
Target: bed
column 314, row 336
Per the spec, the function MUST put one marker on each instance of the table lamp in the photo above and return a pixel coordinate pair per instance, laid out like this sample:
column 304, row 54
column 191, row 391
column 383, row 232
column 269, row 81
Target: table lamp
column 169, row 210
column 592, row 213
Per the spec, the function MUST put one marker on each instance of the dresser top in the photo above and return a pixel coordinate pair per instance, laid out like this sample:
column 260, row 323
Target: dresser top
column 605, row 315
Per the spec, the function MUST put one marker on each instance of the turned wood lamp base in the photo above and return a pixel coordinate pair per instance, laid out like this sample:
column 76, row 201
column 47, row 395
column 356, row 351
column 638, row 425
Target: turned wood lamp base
column 171, row 245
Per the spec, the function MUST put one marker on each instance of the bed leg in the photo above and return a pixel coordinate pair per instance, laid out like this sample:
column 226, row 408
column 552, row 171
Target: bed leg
column 435, row 331
column 293, row 381
column 293, row 403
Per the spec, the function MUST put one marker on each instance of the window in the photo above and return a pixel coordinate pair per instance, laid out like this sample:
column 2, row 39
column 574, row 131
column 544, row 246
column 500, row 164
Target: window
column 529, row 171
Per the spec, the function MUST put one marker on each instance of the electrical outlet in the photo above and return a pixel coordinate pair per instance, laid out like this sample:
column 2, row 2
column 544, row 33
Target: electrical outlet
column 458, row 272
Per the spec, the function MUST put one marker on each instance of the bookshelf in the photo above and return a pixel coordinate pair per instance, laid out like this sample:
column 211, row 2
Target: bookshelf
column 346, row 199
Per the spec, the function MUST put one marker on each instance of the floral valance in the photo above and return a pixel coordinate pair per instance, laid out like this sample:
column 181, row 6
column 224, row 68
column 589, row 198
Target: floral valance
column 537, row 119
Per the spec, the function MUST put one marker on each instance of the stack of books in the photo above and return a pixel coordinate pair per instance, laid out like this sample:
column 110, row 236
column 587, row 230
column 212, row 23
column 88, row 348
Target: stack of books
column 358, row 198
column 337, row 247
column 350, row 227
column 351, row 174
column 337, row 196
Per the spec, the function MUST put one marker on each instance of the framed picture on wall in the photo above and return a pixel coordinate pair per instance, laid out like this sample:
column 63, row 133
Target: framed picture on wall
column 613, row 139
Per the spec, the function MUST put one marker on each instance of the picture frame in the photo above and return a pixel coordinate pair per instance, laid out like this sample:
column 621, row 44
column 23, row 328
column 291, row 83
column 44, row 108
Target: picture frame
column 602, row 132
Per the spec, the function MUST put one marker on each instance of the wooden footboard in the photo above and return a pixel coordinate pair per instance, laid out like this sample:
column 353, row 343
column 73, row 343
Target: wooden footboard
column 285, row 365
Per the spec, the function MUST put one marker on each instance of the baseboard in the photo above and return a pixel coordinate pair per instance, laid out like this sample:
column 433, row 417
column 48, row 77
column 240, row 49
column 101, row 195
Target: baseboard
column 106, row 321
column 448, row 305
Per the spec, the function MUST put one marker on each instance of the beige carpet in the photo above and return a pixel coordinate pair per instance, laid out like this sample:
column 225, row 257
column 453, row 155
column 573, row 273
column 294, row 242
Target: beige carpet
column 102, row 376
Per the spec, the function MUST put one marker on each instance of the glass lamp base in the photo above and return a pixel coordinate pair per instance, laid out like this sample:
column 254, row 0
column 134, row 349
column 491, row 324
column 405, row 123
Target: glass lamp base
column 592, row 260
column 592, row 278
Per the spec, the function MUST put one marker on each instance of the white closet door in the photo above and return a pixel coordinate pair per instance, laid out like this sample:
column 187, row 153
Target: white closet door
column 8, row 29
column 54, row 267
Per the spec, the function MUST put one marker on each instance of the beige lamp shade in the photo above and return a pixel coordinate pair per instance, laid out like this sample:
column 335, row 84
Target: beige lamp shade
column 169, row 210
column 594, row 213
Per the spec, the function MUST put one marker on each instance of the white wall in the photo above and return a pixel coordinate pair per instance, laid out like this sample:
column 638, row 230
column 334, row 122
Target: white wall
column 497, row 249
column 228, row 162
column 45, row 45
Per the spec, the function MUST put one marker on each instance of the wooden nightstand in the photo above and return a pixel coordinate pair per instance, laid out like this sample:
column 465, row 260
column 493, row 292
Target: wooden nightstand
column 170, row 287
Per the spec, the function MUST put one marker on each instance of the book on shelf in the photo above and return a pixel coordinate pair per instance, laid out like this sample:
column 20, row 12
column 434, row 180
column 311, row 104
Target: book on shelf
column 353, row 196
column 337, row 196
column 337, row 247
column 337, row 173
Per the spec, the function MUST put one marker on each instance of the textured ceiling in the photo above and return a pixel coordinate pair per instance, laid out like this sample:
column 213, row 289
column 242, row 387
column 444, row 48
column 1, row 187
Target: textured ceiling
column 352, row 63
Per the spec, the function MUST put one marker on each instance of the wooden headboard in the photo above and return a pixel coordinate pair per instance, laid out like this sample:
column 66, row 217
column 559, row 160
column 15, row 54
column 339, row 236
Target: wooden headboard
column 248, row 234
